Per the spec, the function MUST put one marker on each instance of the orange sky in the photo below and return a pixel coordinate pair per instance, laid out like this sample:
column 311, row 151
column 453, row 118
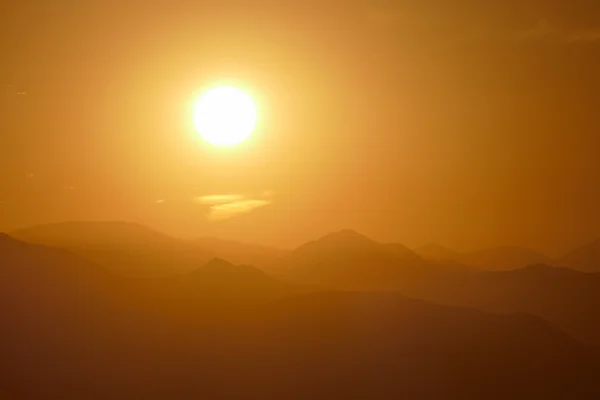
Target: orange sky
column 447, row 120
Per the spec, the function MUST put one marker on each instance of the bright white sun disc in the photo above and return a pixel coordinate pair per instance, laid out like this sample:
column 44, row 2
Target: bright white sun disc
column 225, row 116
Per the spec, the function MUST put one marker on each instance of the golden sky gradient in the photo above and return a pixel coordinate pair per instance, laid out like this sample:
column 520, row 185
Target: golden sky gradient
column 452, row 121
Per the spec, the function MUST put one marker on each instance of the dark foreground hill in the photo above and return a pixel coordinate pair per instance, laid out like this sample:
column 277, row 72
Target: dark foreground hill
column 570, row 299
column 381, row 345
column 55, row 309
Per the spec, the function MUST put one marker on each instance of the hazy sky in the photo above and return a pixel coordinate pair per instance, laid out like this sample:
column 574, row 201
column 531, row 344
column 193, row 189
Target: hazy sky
column 469, row 123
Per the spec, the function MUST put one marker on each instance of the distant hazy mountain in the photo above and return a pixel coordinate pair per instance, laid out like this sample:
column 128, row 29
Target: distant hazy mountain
column 339, row 255
column 96, row 235
column 585, row 258
column 219, row 269
column 347, row 259
column 147, row 261
column 241, row 253
column 215, row 280
column 503, row 258
column 437, row 252
column 222, row 278
column 495, row 258
column 402, row 252
column 127, row 249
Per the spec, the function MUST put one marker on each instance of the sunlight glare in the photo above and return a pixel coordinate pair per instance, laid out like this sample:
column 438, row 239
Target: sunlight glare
column 225, row 116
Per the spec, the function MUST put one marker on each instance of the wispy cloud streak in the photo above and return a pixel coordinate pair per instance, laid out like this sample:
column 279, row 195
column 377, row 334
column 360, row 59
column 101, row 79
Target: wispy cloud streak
column 218, row 199
column 225, row 206
column 228, row 210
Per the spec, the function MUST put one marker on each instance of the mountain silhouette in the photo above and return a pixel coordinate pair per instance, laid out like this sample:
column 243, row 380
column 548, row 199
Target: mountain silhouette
column 382, row 345
column 220, row 278
column 241, row 253
column 51, row 300
column 96, row 235
column 494, row 258
column 585, row 258
column 503, row 258
column 217, row 279
column 221, row 272
column 124, row 248
column 44, row 278
column 402, row 252
column 434, row 330
column 437, row 252
column 29, row 267
column 347, row 259
column 565, row 297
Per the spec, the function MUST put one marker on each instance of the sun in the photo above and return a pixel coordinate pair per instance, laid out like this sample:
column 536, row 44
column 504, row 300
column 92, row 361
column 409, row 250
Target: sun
column 225, row 116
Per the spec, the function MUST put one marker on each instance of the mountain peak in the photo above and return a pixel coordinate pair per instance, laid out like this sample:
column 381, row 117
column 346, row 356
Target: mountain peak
column 334, row 242
column 217, row 263
column 400, row 250
column 345, row 236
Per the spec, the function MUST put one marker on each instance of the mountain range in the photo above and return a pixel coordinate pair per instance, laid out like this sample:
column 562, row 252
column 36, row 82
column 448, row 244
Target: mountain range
column 495, row 258
column 114, row 236
column 342, row 316
column 585, row 258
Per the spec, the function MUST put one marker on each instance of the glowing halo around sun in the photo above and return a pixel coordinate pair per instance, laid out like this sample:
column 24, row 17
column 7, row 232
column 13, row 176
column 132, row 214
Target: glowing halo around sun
column 225, row 116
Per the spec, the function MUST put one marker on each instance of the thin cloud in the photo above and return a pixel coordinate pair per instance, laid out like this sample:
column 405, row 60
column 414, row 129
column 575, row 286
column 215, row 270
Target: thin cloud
column 221, row 212
column 160, row 201
column 225, row 206
column 218, row 199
